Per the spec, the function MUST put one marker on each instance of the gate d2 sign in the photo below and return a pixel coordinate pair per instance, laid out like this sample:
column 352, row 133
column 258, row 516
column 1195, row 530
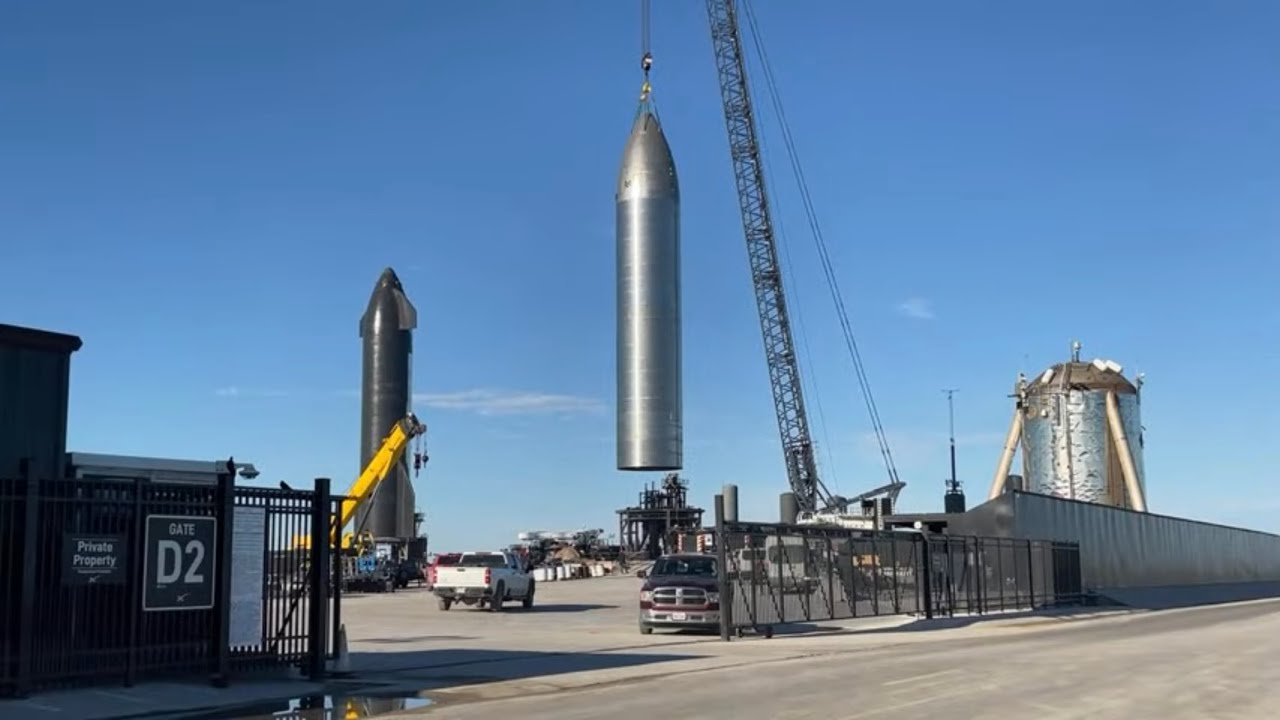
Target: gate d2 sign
column 178, row 571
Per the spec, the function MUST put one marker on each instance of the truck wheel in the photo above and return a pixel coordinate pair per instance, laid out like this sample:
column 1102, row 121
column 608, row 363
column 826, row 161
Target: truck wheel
column 444, row 603
column 499, row 594
column 645, row 629
column 527, row 602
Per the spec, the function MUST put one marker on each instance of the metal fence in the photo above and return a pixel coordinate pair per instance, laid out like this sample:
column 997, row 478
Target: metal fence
column 121, row 580
column 780, row 574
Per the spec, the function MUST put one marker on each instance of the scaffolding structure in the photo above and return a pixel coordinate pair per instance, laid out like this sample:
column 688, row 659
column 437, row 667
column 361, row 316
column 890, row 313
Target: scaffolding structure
column 648, row 529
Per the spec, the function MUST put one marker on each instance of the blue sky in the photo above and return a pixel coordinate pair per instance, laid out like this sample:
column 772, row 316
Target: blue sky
column 207, row 194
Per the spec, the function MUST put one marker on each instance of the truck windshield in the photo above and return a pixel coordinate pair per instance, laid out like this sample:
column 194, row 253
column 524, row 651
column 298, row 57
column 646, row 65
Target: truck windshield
column 702, row 567
column 489, row 561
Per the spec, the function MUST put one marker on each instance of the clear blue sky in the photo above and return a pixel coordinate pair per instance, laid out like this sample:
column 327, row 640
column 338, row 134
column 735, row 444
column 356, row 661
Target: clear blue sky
column 206, row 193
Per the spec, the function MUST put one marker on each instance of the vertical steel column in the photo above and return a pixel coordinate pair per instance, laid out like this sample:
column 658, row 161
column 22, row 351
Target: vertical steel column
column 319, row 575
column 222, row 589
column 722, row 559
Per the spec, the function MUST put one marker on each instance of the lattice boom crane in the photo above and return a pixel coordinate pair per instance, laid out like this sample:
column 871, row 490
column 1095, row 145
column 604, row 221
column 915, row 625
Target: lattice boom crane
column 762, row 250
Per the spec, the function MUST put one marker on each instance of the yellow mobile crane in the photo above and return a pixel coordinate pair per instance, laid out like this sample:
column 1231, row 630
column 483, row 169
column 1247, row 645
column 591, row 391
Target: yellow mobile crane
column 359, row 542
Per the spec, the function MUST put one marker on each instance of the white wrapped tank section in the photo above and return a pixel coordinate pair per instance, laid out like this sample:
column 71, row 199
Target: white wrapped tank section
column 1071, row 447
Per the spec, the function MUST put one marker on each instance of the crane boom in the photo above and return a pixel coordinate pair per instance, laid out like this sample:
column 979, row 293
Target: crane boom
column 762, row 251
column 392, row 449
column 365, row 486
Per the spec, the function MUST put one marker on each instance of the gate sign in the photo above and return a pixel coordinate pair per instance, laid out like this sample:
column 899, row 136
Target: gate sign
column 179, row 570
column 93, row 559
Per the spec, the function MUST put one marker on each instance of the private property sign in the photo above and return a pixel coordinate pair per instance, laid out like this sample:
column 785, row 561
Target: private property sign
column 178, row 572
column 93, row 559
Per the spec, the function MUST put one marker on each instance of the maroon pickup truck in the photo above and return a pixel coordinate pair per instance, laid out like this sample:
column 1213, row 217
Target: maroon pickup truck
column 681, row 591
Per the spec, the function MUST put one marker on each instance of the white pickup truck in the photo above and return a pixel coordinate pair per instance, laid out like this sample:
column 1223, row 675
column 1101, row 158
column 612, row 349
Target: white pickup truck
column 484, row 578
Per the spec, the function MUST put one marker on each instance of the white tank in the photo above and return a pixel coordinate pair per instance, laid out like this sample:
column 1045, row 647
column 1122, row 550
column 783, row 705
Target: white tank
column 1069, row 449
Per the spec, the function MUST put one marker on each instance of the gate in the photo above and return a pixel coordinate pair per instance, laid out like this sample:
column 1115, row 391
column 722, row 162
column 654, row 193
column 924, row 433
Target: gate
column 124, row 580
column 780, row 574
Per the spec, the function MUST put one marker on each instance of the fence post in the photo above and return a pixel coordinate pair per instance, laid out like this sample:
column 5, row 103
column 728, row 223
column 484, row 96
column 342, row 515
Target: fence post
column 226, row 499
column 980, row 570
column 319, row 576
column 832, row 560
column 926, row 565
column 722, row 577
column 1032, row 547
column 31, row 536
column 336, row 549
column 136, row 555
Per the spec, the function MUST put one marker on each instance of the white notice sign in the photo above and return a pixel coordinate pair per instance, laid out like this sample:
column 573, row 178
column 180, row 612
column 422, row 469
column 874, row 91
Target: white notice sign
column 248, row 545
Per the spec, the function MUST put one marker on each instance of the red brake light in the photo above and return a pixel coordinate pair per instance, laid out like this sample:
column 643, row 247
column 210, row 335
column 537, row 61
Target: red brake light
column 487, row 576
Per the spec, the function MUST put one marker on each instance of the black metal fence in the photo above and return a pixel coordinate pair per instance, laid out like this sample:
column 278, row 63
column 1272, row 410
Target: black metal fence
column 780, row 574
column 121, row 580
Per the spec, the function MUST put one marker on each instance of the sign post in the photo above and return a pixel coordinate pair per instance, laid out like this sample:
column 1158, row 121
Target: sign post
column 180, row 563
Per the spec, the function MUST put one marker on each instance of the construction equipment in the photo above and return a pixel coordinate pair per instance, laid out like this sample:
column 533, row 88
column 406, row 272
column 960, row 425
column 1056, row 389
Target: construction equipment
column 365, row 488
column 766, row 272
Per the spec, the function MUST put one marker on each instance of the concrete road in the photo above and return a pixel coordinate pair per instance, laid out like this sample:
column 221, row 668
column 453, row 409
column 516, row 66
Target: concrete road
column 1212, row 662
column 579, row 654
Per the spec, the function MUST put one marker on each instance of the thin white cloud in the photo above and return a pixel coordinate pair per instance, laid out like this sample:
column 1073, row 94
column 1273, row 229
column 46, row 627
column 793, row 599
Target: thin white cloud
column 488, row 401
column 916, row 308
column 236, row 391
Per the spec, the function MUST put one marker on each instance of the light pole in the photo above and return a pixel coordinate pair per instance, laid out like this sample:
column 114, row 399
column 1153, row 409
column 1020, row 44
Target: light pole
column 951, row 424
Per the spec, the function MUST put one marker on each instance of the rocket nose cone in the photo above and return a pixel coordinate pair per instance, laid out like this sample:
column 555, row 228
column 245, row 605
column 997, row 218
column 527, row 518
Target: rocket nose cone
column 647, row 164
column 388, row 279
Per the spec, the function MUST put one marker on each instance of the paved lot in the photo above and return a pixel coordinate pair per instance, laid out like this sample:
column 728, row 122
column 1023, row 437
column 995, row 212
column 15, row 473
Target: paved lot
column 581, row 653
column 578, row 654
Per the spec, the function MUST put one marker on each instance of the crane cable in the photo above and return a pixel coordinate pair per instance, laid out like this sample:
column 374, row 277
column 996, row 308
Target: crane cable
column 851, row 343
column 646, row 57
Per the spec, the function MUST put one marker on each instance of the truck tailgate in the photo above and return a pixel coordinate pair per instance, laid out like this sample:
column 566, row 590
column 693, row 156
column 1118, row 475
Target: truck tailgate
column 461, row 577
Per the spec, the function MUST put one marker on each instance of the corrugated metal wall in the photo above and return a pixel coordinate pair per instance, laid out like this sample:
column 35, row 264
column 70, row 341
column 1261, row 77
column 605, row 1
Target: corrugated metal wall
column 34, row 385
column 1125, row 549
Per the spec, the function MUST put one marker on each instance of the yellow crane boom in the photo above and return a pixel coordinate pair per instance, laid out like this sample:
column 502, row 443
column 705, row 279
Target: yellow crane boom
column 364, row 486
column 361, row 491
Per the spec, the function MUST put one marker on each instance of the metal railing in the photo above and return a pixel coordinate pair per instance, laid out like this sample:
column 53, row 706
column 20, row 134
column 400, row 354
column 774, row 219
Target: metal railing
column 783, row 574
column 121, row 580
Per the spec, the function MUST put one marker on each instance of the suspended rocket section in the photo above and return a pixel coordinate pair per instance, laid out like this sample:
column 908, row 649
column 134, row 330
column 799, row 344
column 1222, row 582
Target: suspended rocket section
column 386, row 331
column 650, row 413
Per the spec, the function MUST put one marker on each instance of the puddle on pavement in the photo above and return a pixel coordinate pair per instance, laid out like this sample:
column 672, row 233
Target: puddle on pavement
column 324, row 707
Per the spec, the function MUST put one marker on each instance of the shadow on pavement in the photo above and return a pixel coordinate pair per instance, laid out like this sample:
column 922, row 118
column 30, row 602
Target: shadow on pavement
column 514, row 609
column 1180, row 596
column 447, row 667
column 416, row 638
column 565, row 608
